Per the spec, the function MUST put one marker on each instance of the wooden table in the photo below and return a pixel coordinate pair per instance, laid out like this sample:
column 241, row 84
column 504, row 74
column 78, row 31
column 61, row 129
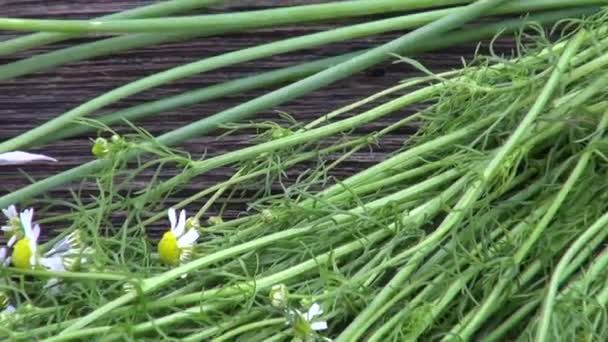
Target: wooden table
column 28, row 101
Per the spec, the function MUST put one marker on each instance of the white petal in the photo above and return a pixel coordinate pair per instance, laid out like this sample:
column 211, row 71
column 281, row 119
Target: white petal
column 172, row 218
column 188, row 239
column 10, row 212
column 181, row 224
column 6, row 228
column 26, row 221
column 318, row 326
column 315, row 310
column 54, row 263
column 9, row 309
column 33, row 247
column 7, row 262
column 36, row 232
column 3, row 254
column 19, row 157
column 12, row 241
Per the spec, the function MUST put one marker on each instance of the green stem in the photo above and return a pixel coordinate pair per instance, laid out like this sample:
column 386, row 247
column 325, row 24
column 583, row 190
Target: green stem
column 70, row 275
column 117, row 44
column 218, row 23
column 204, row 94
column 155, row 10
column 201, row 127
column 248, row 327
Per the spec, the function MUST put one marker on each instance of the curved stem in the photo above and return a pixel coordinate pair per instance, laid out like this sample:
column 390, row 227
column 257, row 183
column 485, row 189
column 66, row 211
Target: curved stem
column 19, row 44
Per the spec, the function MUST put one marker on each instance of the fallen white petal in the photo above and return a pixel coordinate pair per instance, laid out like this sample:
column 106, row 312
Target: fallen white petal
column 316, row 326
column 188, row 239
column 19, row 158
column 10, row 309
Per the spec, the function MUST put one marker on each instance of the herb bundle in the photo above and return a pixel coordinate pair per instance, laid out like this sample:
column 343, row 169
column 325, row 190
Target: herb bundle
column 487, row 224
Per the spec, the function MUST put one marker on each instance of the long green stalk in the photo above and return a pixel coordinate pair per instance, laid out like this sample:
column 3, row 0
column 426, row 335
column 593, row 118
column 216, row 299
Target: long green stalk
column 123, row 43
column 295, row 72
column 217, row 23
column 215, row 62
column 155, row 10
column 205, row 94
column 299, row 71
column 282, row 95
column 264, row 18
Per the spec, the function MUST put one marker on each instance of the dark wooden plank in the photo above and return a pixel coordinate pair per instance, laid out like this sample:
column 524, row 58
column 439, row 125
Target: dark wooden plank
column 29, row 101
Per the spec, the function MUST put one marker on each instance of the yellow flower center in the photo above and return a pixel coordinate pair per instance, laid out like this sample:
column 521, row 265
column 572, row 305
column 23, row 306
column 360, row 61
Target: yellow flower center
column 168, row 250
column 22, row 254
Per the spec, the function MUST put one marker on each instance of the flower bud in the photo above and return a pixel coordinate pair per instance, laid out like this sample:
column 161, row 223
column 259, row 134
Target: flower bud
column 278, row 295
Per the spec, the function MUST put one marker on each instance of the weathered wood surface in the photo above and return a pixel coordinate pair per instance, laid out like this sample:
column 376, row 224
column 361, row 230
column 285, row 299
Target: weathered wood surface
column 28, row 101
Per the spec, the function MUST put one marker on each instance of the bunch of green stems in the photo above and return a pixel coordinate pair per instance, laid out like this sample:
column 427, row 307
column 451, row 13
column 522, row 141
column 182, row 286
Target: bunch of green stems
column 485, row 224
column 441, row 238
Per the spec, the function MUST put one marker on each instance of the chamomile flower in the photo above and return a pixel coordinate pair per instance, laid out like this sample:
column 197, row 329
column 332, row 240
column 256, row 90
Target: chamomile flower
column 176, row 245
column 305, row 325
column 67, row 254
column 19, row 158
column 25, row 249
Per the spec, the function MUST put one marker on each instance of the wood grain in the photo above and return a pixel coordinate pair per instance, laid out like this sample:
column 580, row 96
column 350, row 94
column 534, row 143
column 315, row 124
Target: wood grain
column 28, row 101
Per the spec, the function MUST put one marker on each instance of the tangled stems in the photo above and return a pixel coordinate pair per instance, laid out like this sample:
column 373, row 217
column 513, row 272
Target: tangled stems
column 155, row 10
column 355, row 330
column 547, row 309
column 153, row 284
